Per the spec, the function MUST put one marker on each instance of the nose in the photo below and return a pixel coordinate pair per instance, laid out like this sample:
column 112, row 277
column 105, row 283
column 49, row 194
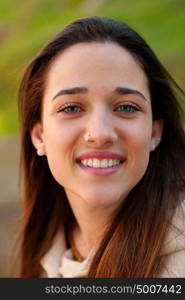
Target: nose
column 100, row 131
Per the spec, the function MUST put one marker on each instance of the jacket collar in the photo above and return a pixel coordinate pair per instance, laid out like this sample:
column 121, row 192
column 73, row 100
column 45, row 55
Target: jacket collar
column 175, row 241
column 51, row 260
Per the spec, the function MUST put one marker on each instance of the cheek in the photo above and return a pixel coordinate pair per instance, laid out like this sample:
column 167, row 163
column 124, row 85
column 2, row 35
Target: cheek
column 59, row 135
column 138, row 147
column 59, row 140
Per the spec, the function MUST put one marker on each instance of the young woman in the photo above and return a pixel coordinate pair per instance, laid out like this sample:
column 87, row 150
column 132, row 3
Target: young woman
column 102, row 158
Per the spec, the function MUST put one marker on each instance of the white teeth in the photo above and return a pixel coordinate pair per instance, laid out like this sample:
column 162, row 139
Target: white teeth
column 104, row 163
column 110, row 163
column 97, row 163
column 85, row 161
column 90, row 162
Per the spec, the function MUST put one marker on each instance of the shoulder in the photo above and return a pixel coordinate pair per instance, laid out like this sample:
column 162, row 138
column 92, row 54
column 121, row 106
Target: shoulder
column 173, row 251
column 175, row 238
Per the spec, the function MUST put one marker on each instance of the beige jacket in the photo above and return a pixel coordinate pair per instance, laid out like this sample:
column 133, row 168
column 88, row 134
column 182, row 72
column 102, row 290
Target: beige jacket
column 58, row 259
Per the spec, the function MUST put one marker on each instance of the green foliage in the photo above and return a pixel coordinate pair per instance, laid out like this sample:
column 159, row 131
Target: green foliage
column 26, row 25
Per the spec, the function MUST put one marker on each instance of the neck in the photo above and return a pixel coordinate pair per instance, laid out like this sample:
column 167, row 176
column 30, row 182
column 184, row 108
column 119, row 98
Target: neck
column 89, row 226
column 87, row 236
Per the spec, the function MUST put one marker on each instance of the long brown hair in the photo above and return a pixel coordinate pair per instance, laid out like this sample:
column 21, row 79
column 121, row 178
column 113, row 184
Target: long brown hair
column 132, row 244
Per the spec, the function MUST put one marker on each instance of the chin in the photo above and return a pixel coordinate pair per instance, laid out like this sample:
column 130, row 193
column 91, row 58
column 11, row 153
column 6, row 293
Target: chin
column 102, row 199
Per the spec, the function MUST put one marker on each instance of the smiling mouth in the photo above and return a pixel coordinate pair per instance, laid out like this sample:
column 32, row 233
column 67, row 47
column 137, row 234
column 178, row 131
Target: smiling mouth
column 100, row 163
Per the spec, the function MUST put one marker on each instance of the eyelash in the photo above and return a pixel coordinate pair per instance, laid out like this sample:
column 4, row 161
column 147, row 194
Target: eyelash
column 131, row 106
column 67, row 106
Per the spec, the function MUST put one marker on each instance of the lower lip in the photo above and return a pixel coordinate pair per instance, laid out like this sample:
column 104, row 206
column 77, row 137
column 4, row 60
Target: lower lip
column 100, row 171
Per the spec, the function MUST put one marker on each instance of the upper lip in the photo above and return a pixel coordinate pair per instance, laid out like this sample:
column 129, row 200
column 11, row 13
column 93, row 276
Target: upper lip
column 100, row 155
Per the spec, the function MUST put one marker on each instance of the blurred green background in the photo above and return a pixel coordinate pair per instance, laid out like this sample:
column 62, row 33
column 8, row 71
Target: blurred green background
column 26, row 25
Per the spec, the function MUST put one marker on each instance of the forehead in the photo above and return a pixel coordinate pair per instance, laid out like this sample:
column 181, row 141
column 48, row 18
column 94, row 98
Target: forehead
column 96, row 65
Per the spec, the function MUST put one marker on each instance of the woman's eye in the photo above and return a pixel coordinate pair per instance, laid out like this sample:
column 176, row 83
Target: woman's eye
column 127, row 108
column 70, row 109
column 73, row 108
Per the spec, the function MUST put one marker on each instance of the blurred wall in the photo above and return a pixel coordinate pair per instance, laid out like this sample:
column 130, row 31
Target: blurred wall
column 9, row 199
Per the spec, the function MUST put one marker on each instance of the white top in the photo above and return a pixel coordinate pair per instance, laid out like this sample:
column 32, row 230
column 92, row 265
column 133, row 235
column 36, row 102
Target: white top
column 69, row 267
column 59, row 261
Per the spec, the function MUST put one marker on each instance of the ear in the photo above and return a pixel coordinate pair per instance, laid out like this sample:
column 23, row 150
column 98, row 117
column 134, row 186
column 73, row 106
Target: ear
column 157, row 130
column 37, row 138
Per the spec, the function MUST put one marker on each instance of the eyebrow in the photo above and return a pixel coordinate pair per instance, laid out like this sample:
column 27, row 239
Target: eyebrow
column 71, row 91
column 128, row 91
column 83, row 90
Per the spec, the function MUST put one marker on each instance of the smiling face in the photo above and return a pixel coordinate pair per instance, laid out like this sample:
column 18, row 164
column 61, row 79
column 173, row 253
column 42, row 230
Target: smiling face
column 97, row 89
